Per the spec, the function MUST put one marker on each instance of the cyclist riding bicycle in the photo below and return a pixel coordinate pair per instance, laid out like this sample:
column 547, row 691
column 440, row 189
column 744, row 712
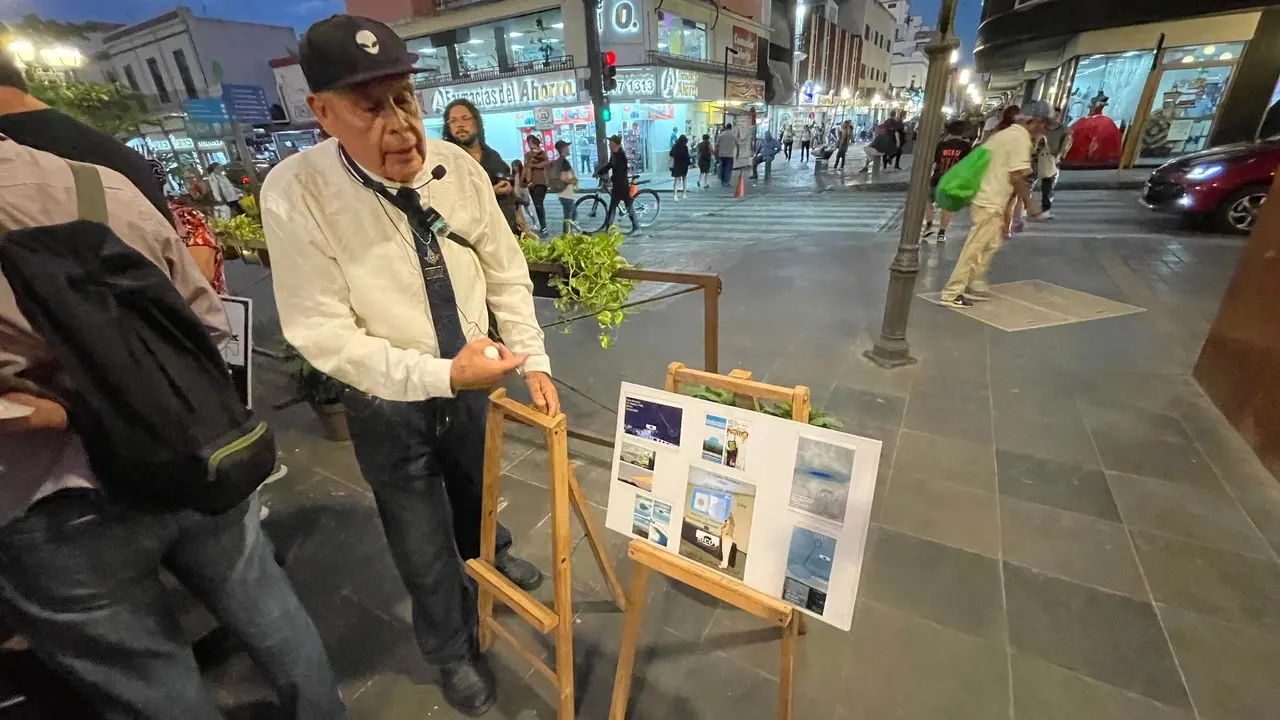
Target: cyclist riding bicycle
column 620, row 182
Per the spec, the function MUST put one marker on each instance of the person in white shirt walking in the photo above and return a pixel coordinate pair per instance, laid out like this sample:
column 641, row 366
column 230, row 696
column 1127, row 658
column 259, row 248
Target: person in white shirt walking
column 226, row 195
column 388, row 253
column 1006, row 176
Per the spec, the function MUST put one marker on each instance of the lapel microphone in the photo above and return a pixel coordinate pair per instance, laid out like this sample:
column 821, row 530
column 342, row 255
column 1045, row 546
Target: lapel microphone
column 433, row 217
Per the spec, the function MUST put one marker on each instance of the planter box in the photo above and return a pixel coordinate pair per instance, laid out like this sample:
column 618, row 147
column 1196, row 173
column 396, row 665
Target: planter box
column 541, row 274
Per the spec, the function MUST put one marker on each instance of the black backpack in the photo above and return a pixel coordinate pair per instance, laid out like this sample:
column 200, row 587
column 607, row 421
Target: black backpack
column 151, row 398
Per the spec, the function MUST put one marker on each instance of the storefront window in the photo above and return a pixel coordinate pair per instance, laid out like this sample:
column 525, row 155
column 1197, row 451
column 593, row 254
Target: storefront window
column 501, row 46
column 1221, row 52
column 1119, row 78
column 1183, row 110
column 1271, row 119
column 677, row 36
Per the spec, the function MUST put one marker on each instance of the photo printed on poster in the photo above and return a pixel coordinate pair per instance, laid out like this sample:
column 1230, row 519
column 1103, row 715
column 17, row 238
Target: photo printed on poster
column 780, row 506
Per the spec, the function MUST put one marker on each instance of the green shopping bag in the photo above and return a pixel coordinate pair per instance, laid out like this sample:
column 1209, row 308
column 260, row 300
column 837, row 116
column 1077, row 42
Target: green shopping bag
column 958, row 186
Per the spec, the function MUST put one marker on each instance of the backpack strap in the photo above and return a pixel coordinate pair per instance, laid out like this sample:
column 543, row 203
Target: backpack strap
column 91, row 196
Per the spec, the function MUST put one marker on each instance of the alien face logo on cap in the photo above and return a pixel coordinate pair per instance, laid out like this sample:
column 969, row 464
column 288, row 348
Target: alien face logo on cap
column 368, row 41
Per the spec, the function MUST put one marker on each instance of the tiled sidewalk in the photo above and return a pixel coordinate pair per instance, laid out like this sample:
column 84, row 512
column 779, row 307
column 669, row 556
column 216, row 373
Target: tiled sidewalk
column 1064, row 528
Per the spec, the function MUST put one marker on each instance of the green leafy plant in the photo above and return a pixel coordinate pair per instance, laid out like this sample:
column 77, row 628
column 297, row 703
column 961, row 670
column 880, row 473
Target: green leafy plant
column 114, row 109
column 817, row 418
column 311, row 385
column 243, row 232
column 589, row 285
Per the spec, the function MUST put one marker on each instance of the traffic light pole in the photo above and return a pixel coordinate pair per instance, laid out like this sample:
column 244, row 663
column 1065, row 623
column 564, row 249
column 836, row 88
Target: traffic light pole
column 891, row 349
column 595, row 75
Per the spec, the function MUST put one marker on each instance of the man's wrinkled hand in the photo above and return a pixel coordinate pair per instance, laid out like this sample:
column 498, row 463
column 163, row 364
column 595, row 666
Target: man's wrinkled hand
column 542, row 393
column 473, row 370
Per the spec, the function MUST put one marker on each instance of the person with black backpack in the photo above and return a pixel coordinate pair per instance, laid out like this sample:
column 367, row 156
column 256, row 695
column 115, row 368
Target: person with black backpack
column 124, row 449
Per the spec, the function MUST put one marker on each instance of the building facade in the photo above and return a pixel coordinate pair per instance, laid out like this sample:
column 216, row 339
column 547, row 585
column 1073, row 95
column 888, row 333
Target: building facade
column 683, row 68
column 876, row 25
column 1173, row 78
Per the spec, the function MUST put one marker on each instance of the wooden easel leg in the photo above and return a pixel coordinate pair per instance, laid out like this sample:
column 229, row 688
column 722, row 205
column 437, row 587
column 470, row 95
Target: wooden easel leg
column 592, row 531
column 786, row 674
column 630, row 637
column 557, row 446
column 489, row 515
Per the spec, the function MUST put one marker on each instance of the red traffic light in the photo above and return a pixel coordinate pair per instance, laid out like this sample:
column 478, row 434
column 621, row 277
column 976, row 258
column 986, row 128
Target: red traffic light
column 610, row 57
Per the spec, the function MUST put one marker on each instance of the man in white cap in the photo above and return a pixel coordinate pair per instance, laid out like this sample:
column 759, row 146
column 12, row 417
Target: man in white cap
column 388, row 252
column 1007, row 175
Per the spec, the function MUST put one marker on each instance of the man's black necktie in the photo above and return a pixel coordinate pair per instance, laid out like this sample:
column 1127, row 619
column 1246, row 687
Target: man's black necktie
column 440, row 298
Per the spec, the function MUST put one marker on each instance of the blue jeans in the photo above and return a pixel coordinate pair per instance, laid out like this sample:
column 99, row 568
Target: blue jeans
column 80, row 579
column 566, row 208
column 425, row 462
column 726, row 171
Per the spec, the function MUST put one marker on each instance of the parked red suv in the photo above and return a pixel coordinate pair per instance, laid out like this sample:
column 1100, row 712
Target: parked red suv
column 1227, row 184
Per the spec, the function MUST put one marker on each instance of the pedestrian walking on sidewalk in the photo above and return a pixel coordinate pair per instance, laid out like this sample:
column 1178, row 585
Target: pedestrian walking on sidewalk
column 705, row 153
column 1005, row 178
column 536, row 163
column 563, row 181
column 951, row 149
column 409, row 339
column 680, row 162
column 726, row 151
column 1049, row 152
column 897, row 130
column 788, row 140
column 878, row 152
column 806, row 141
column 842, row 144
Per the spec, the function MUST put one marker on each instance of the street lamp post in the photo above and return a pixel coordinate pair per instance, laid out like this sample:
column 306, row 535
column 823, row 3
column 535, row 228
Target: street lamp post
column 891, row 350
column 727, row 52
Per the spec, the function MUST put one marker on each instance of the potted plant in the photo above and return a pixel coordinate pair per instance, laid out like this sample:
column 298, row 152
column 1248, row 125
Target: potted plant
column 322, row 393
column 242, row 237
column 579, row 271
column 817, row 418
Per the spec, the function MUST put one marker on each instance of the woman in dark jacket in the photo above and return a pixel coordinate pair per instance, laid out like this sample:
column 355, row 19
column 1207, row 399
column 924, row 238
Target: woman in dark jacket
column 704, row 162
column 680, row 162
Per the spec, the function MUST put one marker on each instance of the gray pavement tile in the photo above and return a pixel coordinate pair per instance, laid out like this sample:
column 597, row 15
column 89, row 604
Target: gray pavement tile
column 907, row 668
column 866, row 406
column 1071, row 546
column 1111, row 638
column 948, row 513
column 1173, row 461
column 1042, row 691
column 1187, row 512
column 1228, row 586
column 1059, row 437
column 1133, row 421
column 947, row 459
column 942, row 584
column 1230, row 669
column 1062, row 485
column 960, row 416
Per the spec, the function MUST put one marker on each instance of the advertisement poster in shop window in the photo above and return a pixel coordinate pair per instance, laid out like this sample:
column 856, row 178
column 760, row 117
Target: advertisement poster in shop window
column 744, row 41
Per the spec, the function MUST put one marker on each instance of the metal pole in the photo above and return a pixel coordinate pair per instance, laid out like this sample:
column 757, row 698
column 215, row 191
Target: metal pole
column 595, row 75
column 891, row 349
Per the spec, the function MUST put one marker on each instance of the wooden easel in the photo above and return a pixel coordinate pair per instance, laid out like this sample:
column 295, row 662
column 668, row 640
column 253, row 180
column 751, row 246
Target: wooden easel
column 647, row 557
column 565, row 492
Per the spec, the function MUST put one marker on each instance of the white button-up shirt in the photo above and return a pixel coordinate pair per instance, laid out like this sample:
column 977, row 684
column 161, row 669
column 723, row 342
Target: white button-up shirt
column 349, row 285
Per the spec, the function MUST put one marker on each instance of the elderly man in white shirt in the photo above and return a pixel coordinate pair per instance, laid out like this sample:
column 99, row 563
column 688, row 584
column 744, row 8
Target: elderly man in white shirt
column 388, row 252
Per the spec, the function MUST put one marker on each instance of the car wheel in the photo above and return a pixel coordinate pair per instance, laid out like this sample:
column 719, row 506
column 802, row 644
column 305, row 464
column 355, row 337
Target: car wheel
column 1240, row 210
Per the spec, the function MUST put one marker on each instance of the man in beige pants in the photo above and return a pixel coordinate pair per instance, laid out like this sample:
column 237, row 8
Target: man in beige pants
column 1006, row 175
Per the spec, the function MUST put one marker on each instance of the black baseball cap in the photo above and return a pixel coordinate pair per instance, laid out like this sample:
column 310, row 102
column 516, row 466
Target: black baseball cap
column 345, row 50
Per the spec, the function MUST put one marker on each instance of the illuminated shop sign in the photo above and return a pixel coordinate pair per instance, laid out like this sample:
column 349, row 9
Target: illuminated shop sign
column 512, row 93
column 649, row 82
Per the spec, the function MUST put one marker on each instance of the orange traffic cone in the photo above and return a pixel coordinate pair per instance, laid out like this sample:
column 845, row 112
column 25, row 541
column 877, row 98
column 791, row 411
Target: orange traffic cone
column 741, row 190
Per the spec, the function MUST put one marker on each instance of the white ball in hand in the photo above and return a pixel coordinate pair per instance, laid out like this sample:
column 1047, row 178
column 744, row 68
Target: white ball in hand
column 491, row 352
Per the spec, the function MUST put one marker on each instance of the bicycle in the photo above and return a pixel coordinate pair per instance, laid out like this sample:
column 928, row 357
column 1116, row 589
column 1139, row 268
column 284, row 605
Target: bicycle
column 590, row 213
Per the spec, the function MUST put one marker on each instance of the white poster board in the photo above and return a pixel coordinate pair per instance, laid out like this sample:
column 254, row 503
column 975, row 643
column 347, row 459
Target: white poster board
column 238, row 352
column 782, row 506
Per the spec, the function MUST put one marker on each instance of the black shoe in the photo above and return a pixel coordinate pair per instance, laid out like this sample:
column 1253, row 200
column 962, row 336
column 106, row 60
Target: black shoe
column 958, row 301
column 468, row 686
column 523, row 573
column 942, row 236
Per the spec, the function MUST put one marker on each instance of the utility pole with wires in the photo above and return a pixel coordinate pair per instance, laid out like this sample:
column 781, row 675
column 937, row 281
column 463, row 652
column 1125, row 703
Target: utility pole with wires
column 891, row 349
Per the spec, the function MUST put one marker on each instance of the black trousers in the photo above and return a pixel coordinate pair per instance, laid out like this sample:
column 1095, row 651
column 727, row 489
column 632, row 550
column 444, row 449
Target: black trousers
column 804, row 150
column 786, row 148
column 538, row 193
column 1046, row 191
column 425, row 464
column 622, row 197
